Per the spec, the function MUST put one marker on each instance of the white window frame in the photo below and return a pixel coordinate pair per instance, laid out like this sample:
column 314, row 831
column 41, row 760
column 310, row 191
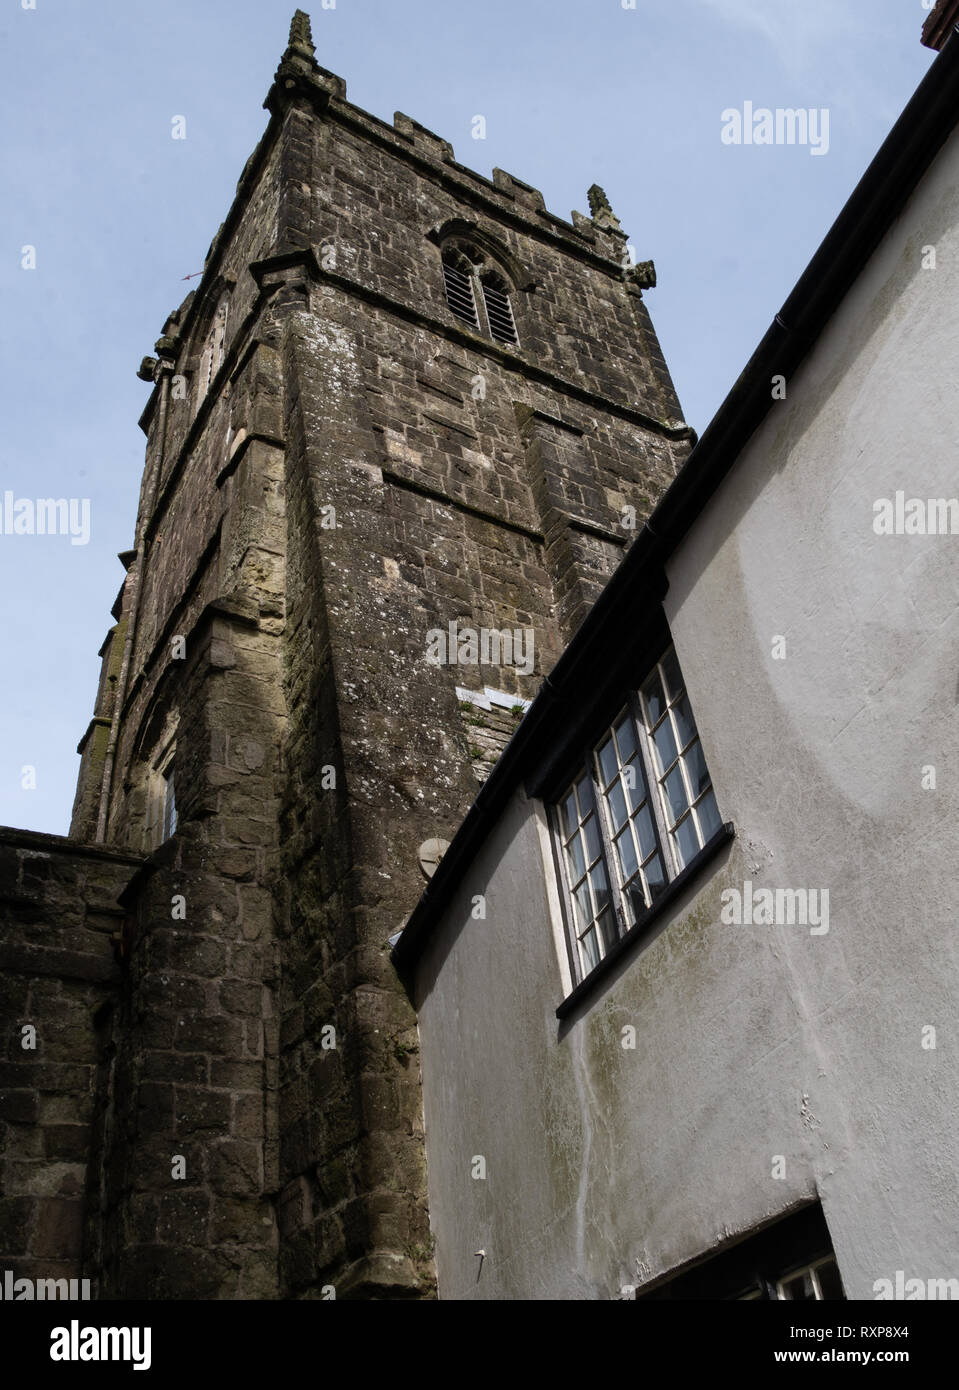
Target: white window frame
column 812, row 1271
column 668, row 824
column 650, row 797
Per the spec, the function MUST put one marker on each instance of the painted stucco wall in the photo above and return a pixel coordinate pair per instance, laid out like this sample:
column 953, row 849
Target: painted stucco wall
column 608, row 1167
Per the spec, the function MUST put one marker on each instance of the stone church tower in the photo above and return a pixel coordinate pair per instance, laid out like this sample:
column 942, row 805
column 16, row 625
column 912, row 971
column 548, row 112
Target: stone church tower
column 402, row 396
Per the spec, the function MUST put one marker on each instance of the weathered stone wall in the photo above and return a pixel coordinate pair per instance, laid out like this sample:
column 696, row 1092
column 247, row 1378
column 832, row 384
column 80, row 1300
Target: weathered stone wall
column 194, row 1030
column 94, row 744
column 414, row 501
column 206, row 462
column 58, row 973
column 361, row 469
column 248, row 233
column 195, row 1033
column 377, row 196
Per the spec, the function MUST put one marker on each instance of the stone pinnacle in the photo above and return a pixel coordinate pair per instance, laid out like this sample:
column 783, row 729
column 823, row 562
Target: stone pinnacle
column 600, row 209
column 301, row 34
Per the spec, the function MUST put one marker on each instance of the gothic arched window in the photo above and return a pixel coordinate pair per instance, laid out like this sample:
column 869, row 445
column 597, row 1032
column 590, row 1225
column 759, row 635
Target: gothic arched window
column 477, row 293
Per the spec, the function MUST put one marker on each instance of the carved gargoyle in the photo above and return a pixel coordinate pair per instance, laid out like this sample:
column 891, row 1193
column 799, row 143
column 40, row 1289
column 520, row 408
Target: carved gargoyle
column 642, row 274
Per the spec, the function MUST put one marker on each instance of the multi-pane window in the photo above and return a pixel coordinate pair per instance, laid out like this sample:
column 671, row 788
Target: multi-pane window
column 819, row 1282
column 635, row 816
column 629, row 817
column 477, row 294
column 594, row 923
column 687, row 799
column 812, row 1283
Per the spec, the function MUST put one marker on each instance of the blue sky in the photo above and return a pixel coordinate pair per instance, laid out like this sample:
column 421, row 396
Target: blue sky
column 573, row 91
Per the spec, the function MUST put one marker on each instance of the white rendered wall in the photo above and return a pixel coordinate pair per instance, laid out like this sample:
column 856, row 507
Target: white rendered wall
column 608, row 1167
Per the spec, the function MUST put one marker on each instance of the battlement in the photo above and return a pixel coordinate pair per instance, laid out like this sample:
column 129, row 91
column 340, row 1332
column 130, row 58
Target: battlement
column 597, row 237
column 300, row 73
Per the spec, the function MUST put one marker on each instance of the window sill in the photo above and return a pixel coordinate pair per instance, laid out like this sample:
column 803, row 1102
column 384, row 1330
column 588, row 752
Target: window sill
column 640, row 931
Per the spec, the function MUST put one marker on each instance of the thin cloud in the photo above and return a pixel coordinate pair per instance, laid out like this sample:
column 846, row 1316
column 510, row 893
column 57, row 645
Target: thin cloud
column 795, row 32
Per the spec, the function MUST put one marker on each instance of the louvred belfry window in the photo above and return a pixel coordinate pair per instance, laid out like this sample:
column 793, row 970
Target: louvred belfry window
column 499, row 311
column 458, row 278
column 478, row 295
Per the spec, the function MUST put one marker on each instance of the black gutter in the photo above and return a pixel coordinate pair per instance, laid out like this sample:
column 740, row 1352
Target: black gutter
column 882, row 192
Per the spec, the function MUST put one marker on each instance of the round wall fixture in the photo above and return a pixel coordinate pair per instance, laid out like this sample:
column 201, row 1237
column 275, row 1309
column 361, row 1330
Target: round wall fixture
column 430, row 853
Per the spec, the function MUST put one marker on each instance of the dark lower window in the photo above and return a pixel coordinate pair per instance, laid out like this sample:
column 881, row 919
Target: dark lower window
column 791, row 1261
